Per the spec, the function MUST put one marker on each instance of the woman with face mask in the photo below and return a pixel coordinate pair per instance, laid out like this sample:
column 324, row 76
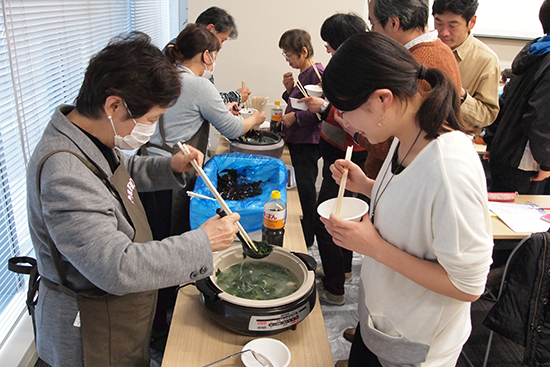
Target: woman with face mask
column 98, row 263
column 188, row 120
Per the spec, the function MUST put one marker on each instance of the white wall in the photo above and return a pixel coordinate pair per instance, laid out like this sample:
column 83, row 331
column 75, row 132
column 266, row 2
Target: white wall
column 255, row 56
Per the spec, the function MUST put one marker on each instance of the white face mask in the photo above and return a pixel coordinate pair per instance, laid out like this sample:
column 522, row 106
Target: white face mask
column 207, row 74
column 139, row 135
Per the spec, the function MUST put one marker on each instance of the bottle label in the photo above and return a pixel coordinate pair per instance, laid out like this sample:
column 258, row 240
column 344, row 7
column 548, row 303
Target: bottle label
column 274, row 219
column 276, row 115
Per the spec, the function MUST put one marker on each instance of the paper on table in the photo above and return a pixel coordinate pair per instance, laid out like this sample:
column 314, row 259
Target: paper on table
column 519, row 217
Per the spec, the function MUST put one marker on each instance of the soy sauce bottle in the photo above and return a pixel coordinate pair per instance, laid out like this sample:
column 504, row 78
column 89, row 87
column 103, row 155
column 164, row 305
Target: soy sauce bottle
column 274, row 220
column 276, row 114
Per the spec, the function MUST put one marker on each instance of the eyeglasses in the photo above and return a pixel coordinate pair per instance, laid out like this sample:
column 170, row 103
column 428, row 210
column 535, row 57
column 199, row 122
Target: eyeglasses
column 370, row 25
column 287, row 56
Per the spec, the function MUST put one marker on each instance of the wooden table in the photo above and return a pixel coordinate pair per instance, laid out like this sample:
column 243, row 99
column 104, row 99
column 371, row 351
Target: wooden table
column 502, row 232
column 195, row 339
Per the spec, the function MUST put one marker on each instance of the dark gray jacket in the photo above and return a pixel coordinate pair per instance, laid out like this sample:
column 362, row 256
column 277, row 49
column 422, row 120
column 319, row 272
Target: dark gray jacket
column 524, row 113
column 522, row 312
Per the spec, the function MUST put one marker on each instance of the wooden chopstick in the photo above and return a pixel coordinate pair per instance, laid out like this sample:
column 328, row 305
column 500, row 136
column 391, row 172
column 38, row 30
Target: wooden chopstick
column 217, row 195
column 247, row 103
column 301, row 88
column 316, row 71
column 342, row 188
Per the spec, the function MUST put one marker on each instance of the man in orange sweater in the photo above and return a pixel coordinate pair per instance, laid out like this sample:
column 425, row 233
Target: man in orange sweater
column 406, row 21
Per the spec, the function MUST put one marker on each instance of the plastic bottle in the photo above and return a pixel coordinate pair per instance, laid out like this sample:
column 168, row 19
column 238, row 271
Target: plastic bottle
column 276, row 114
column 274, row 220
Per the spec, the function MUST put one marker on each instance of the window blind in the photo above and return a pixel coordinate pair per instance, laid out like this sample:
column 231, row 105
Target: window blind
column 45, row 46
column 152, row 17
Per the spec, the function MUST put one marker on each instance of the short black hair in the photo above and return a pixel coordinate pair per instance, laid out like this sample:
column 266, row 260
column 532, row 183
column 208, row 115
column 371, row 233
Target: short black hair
column 413, row 14
column 132, row 68
column 221, row 19
column 465, row 8
column 339, row 27
column 294, row 40
column 544, row 16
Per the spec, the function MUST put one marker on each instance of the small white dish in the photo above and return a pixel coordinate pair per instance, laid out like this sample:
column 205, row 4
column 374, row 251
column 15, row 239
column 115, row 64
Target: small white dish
column 314, row 90
column 247, row 112
column 352, row 208
column 297, row 105
column 274, row 350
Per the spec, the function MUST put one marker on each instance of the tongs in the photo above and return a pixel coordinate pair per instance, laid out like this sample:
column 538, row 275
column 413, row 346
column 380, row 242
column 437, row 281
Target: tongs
column 218, row 197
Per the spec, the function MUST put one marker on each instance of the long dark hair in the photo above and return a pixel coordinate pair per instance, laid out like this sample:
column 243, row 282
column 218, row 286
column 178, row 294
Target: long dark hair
column 370, row 61
column 130, row 67
column 194, row 39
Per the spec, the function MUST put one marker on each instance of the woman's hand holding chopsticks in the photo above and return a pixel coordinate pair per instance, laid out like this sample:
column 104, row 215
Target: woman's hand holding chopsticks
column 357, row 181
column 221, row 231
column 182, row 162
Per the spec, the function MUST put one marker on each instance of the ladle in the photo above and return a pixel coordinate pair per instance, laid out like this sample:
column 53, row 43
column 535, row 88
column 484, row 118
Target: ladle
column 263, row 250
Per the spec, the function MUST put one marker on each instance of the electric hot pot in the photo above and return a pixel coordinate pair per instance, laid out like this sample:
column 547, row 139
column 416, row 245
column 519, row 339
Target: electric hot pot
column 258, row 142
column 264, row 317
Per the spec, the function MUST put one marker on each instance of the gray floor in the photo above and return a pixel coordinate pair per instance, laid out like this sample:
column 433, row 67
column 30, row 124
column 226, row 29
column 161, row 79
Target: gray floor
column 339, row 318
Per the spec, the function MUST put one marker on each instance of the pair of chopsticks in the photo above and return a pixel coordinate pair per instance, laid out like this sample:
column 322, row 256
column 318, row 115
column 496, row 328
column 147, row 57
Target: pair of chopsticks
column 298, row 84
column 217, row 195
column 342, row 188
column 247, row 103
column 315, row 68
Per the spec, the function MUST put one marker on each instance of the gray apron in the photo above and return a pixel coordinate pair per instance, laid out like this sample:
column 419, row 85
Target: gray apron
column 179, row 205
column 115, row 330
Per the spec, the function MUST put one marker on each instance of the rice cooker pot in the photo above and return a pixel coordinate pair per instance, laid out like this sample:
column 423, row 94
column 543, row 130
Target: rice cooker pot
column 274, row 149
column 261, row 318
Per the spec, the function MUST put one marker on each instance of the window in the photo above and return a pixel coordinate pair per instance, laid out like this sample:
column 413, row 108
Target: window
column 45, row 46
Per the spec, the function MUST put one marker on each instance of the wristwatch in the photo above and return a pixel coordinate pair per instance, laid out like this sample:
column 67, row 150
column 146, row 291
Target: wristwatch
column 323, row 107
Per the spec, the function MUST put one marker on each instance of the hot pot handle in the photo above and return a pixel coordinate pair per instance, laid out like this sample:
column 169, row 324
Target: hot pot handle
column 308, row 260
column 207, row 288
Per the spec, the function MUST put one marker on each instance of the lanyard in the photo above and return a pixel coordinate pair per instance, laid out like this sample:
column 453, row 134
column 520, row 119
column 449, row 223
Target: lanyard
column 185, row 68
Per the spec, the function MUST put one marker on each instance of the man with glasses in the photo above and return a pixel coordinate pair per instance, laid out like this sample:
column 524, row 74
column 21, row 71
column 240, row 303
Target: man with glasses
column 478, row 64
column 406, row 21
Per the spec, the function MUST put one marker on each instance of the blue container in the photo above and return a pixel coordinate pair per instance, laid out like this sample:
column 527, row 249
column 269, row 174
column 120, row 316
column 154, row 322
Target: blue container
column 250, row 168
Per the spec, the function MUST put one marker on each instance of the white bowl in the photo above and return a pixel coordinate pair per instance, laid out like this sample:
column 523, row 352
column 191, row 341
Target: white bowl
column 247, row 112
column 274, row 350
column 314, row 90
column 352, row 208
column 297, row 105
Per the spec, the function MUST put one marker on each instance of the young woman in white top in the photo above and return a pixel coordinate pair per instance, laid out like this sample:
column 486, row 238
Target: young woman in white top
column 427, row 240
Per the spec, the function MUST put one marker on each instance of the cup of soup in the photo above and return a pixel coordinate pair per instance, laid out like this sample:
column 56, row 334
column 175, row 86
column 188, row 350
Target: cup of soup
column 352, row 208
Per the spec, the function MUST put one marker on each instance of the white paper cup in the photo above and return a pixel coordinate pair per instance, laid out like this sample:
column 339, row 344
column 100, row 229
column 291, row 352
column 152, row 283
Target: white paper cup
column 352, row 208
column 297, row 105
column 314, row 90
column 274, row 350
